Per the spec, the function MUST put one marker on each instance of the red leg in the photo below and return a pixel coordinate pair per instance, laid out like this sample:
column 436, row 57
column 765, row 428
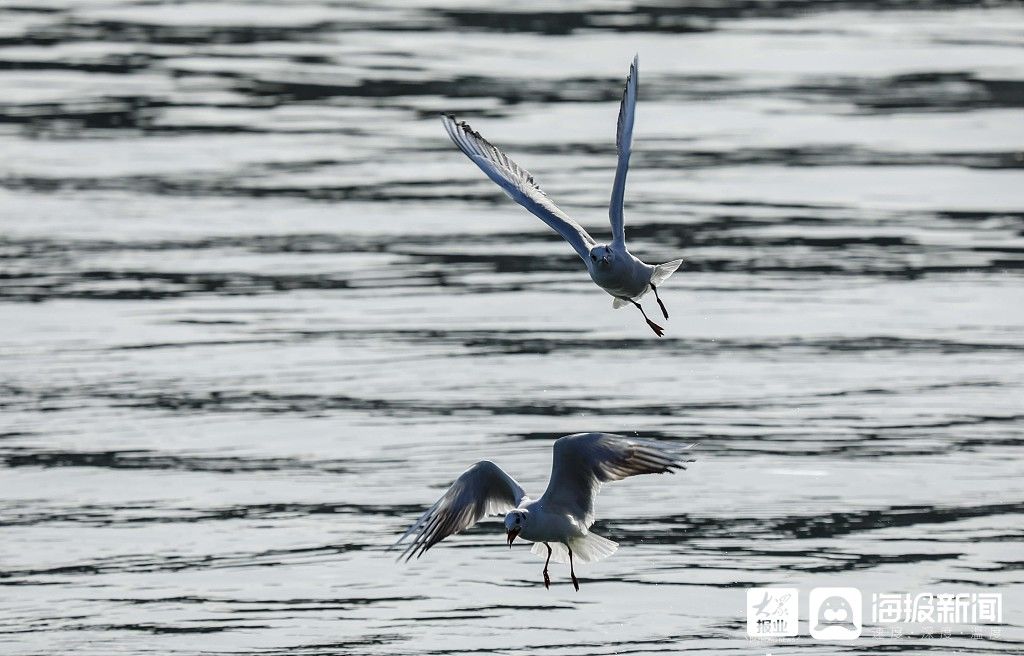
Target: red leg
column 658, row 330
column 572, row 573
column 664, row 312
column 547, row 579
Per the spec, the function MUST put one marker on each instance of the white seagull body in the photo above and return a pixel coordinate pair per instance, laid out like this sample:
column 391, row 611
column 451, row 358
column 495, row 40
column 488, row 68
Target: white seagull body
column 611, row 266
column 563, row 515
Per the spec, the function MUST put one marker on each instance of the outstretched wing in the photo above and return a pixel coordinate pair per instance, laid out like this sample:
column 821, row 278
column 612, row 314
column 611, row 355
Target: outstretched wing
column 624, row 145
column 584, row 461
column 517, row 183
column 483, row 489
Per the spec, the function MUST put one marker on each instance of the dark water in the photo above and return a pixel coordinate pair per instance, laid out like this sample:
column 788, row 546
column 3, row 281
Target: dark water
column 257, row 312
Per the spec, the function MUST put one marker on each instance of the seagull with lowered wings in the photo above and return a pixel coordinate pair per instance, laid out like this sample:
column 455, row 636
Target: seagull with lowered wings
column 611, row 266
column 560, row 520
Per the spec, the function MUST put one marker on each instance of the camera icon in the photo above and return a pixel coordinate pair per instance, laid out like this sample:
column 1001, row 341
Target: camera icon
column 835, row 613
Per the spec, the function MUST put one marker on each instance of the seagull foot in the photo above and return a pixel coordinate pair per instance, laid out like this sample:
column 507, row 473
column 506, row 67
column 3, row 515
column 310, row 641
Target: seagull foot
column 658, row 330
column 575, row 583
column 547, row 581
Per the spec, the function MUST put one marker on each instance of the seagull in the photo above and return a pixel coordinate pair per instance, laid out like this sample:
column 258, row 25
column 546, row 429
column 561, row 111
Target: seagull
column 611, row 266
column 563, row 515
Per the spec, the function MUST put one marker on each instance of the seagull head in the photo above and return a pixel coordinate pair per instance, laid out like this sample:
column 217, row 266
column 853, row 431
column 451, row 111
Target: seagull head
column 602, row 256
column 514, row 523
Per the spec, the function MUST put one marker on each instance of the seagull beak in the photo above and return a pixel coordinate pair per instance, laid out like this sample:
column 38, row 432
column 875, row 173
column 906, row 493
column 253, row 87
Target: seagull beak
column 512, row 536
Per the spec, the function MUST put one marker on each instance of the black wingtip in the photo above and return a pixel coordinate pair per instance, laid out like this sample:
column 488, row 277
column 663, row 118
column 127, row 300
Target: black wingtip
column 465, row 127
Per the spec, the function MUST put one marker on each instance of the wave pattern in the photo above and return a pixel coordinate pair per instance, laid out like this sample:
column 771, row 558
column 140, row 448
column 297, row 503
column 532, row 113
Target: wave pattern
column 257, row 312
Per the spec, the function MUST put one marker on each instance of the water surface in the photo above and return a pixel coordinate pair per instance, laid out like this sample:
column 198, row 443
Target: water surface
column 258, row 312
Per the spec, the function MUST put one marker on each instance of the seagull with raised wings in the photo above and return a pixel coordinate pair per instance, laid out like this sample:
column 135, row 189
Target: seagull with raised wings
column 611, row 266
column 560, row 520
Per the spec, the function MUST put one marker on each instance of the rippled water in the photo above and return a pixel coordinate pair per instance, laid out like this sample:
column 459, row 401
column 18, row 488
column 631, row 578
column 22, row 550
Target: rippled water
column 258, row 312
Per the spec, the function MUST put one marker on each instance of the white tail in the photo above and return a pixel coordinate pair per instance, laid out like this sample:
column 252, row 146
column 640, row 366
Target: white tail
column 588, row 549
column 592, row 548
column 662, row 272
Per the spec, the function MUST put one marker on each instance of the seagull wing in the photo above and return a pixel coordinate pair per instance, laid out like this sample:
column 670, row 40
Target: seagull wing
column 584, row 461
column 483, row 489
column 624, row 145
column 517, row 183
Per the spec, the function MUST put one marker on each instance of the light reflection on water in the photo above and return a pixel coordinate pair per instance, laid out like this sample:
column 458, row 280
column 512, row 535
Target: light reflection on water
column 258, row 312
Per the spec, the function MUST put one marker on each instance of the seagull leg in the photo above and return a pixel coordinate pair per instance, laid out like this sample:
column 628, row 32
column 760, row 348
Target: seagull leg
column 664, row 312
column 547, row 579
column 575, row 583
column 658, row 330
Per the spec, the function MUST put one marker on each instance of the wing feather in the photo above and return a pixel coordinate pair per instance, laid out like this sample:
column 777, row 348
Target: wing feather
column 483, row 489
column 517, row 183
column 582, row 462
column 624, row 146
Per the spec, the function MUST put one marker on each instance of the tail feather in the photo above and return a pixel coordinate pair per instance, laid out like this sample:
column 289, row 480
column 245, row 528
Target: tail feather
column 592, row 548
column 662, row 272
column 588, row 549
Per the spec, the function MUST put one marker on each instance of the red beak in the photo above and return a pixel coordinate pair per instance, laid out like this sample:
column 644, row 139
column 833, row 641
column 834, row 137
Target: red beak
column 512, row 536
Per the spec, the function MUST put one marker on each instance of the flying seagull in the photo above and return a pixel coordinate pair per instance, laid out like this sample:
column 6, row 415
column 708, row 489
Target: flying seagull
column 560, row 519
column 611, row 266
